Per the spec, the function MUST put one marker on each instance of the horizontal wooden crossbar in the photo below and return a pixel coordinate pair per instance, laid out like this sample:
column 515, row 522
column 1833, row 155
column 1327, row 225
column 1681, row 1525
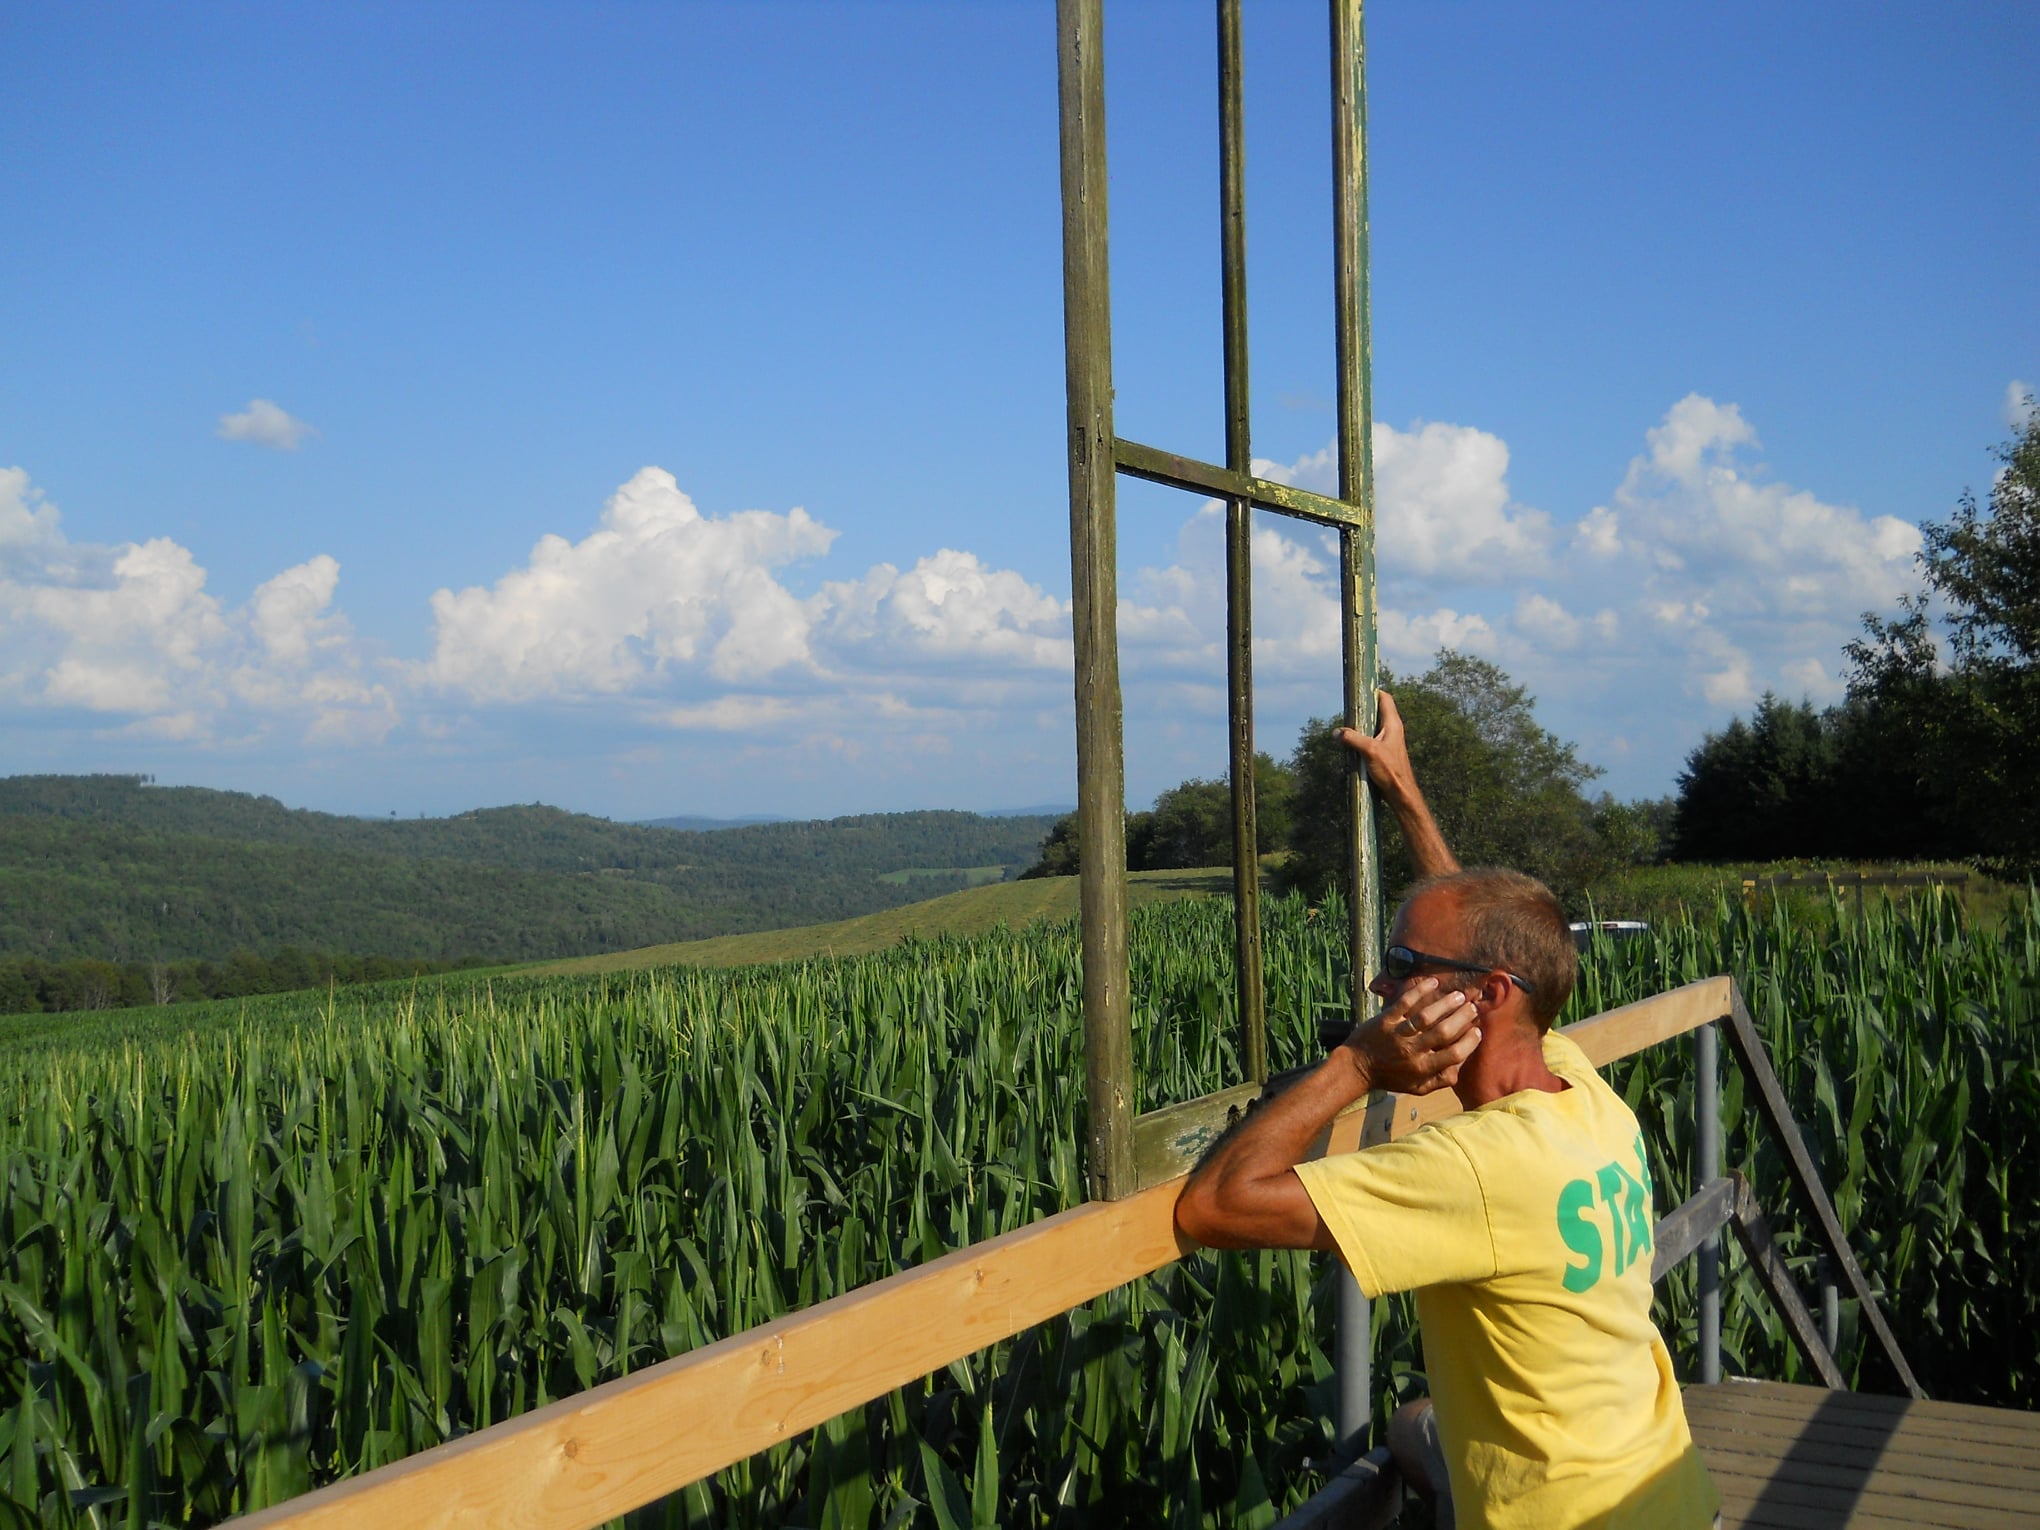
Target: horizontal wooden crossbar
column 603, row 1452
column 1682, row 1231
column 1204, row 478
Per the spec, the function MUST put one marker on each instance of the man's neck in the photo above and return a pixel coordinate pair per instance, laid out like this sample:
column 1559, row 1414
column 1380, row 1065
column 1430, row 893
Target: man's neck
column 1507, row 1063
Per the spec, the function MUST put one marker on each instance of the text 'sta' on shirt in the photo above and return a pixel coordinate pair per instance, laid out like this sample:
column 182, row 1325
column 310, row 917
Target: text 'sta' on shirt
column 1524, row 1227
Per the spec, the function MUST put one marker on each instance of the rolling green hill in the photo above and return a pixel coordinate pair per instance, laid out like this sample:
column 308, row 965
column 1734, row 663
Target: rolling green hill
column 113, row 868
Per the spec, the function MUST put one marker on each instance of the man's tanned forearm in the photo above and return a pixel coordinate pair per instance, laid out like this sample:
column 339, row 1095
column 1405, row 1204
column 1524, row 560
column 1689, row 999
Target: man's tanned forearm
column 1428, row 850
column 1245, row 1194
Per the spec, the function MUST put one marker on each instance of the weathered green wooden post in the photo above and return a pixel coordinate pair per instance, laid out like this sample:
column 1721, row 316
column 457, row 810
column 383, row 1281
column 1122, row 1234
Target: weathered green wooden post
column 1239, row 545
column 1094, row 597
column 1356, row 579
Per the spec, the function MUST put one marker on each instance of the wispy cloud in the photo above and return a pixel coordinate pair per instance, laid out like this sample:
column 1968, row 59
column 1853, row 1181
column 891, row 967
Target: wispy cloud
column 2018, row 404
column 264, row 423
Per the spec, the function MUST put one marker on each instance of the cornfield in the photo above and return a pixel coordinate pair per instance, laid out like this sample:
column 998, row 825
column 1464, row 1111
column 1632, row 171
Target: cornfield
column 308, row 1238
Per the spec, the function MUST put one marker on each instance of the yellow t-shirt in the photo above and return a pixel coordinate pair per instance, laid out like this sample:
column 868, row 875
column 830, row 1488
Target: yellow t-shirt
column 1525, row 1229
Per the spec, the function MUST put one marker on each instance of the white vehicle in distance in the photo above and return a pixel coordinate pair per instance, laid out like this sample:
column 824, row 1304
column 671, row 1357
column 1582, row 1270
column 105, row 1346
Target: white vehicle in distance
column 1610, row 929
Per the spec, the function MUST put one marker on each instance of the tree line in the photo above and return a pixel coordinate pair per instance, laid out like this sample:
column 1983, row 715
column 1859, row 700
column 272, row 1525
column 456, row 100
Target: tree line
column 1934, row 752
column 1506, row 791
column 29, row 985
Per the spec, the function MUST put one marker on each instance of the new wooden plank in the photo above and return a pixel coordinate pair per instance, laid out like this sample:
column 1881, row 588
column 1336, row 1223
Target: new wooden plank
column 1606, row 1038
column 1617, row 1033
column 1168, row 1142
column 596, row 1455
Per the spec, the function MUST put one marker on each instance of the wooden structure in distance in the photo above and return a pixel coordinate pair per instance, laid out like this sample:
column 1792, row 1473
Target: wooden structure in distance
column 1125, row 1155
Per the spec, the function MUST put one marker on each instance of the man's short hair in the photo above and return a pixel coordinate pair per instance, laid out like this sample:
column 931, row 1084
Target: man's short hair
column 1514, row 923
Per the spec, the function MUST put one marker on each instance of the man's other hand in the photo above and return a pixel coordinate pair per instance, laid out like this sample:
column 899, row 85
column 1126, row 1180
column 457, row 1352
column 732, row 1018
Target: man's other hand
column 1388, row 765
column 1418, row 1043
column 1386, row 753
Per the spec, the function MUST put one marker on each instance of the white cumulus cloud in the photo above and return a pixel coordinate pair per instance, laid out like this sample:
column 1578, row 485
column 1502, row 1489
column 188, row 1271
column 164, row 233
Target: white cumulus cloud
column 949, row 608
column 655, row 589
column 1711, row 578
column 1441, row 496
column 265, row 423
column 131, row 633
column 1701, row 523
column 687, row 619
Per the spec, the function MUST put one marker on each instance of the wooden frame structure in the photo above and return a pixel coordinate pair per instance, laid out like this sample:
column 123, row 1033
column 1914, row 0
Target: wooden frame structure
column 588, row 1458
column 1128, row 1154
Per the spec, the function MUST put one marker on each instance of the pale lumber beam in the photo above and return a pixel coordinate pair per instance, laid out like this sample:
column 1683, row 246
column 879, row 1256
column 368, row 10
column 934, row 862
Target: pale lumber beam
column 600, row 1453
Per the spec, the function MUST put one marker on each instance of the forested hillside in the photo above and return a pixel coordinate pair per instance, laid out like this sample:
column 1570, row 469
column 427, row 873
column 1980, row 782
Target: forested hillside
column 113, row 868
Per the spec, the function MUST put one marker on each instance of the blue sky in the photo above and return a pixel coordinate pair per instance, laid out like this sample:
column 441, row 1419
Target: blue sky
column 658, row 408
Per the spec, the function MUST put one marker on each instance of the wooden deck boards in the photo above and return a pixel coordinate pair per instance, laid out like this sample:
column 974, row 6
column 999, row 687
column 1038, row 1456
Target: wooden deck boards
column 1803, row 1458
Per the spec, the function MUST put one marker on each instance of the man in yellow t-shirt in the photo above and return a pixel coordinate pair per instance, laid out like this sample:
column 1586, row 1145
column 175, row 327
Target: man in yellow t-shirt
column 1523, row 1224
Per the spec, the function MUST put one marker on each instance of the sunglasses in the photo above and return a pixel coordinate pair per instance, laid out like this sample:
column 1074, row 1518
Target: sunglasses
column 1400, row 962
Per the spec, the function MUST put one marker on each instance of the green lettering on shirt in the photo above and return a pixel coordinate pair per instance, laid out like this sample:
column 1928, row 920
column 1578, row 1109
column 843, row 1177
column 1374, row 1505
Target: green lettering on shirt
column 1580, row 1235
column 1611, row 1179
column 1640, row 1230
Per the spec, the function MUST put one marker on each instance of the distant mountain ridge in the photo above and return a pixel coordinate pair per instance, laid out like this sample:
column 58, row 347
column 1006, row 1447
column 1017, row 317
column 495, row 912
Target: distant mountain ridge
column 708, row 825
column 112, row 867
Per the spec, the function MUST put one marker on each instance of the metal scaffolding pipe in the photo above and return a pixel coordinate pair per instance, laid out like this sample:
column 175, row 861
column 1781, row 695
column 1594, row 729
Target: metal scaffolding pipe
column 1707, row 1169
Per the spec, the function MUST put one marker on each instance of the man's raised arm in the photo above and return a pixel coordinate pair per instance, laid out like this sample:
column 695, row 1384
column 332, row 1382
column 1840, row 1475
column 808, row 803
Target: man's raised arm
column 1388, row 766
column 1246, row 1193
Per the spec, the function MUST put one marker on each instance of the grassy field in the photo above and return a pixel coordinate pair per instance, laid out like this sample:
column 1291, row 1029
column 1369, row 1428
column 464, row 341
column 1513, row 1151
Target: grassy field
column 970, row 912
column 976, row 876
column 311, row 1235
